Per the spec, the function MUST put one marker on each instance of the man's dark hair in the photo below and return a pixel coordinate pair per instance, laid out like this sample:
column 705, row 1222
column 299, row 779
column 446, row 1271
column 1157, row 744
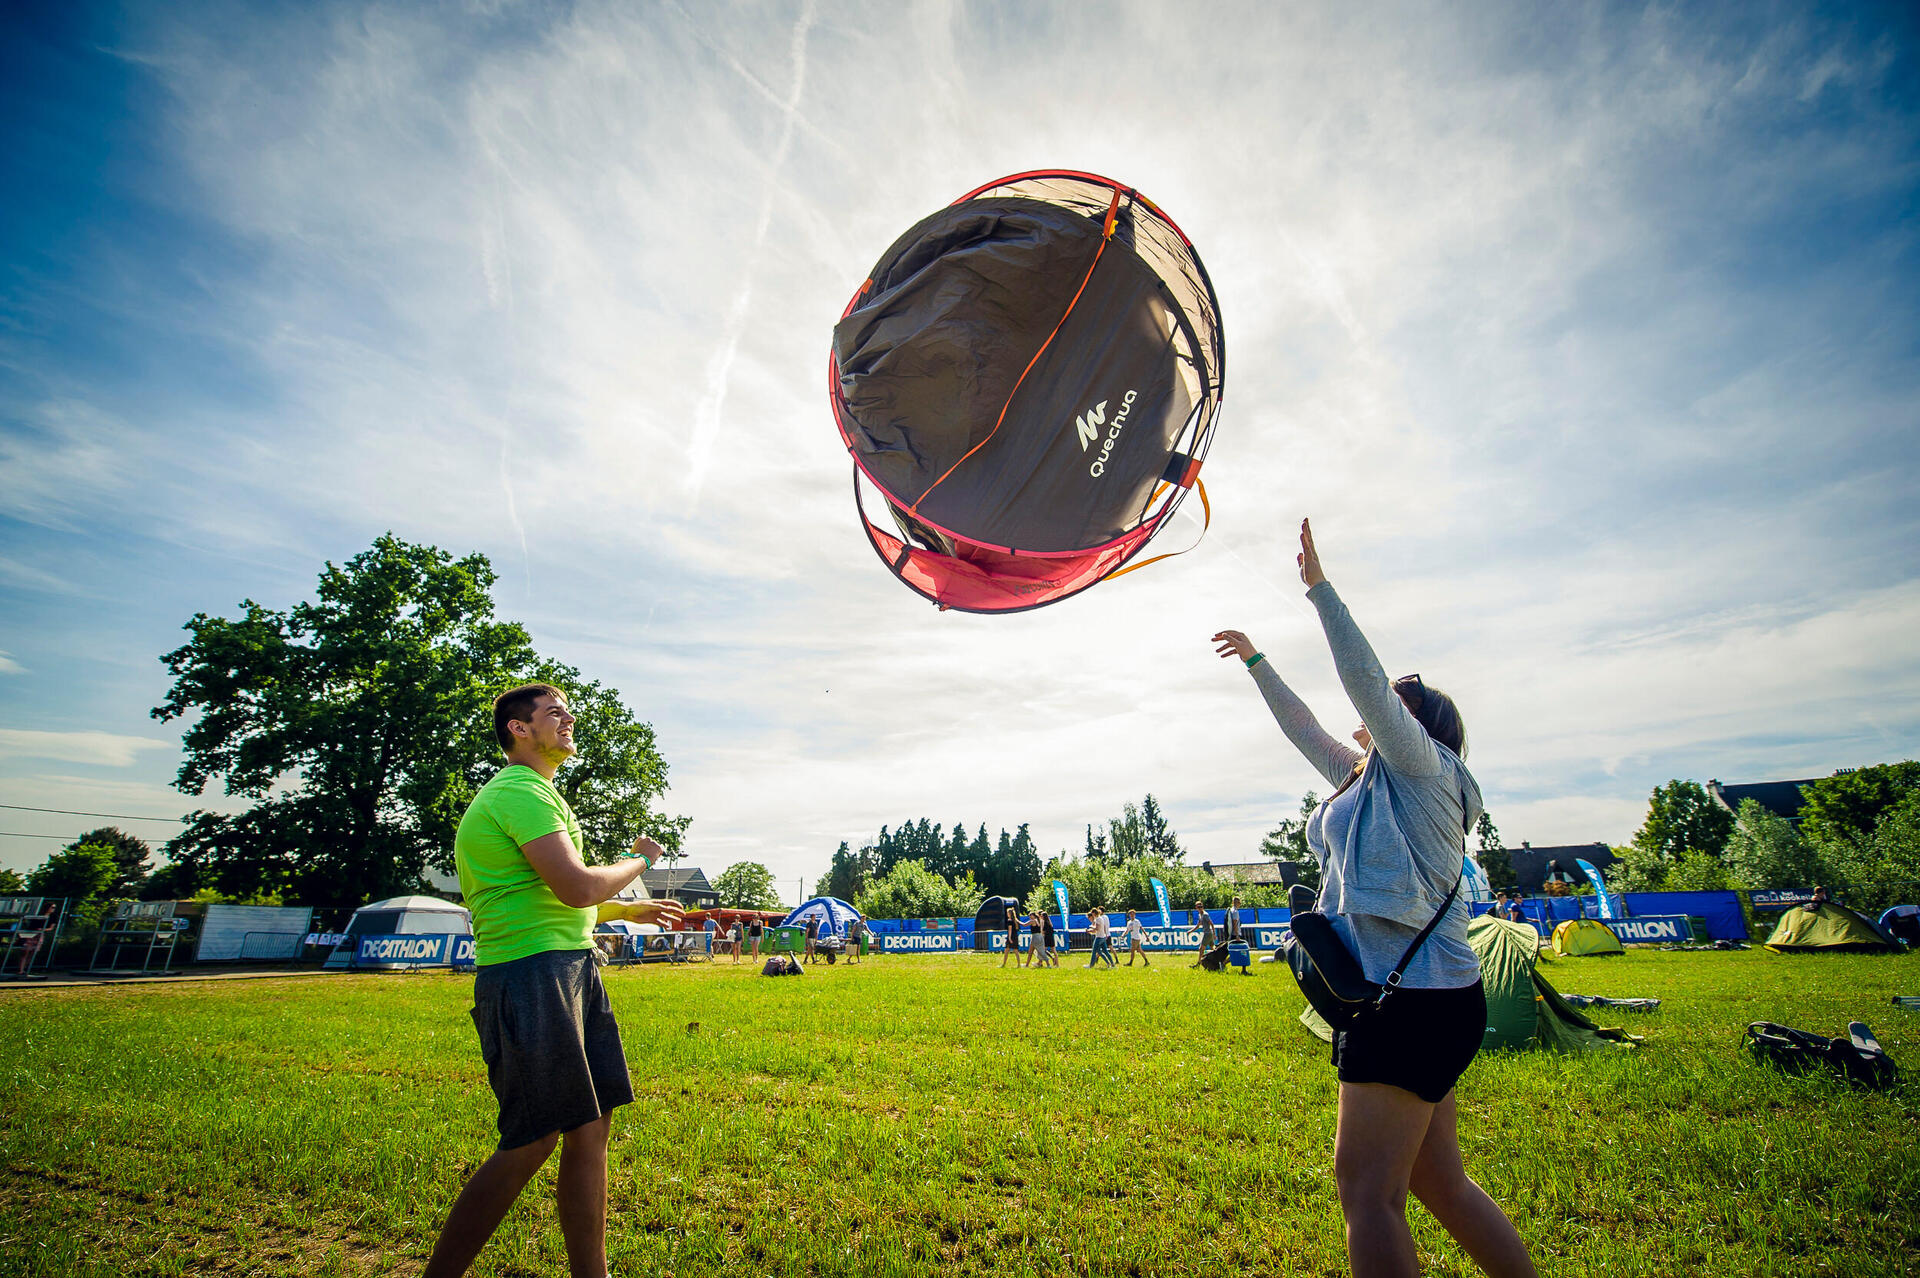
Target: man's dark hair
column 518, row 705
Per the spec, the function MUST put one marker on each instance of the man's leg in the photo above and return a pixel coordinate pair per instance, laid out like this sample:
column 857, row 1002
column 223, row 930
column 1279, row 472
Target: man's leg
column 581, row 1196
column 483, row 1204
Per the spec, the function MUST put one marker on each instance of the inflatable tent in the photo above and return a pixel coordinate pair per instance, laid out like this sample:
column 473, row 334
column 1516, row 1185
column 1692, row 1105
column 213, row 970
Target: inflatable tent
column 401, row 916
column 1830, row 927
column 1585, row 936
column 1523, row 1010
column 834, row 914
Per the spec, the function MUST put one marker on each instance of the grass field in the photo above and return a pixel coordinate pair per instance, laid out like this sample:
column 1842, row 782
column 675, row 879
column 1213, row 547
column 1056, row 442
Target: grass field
column 939, row 1115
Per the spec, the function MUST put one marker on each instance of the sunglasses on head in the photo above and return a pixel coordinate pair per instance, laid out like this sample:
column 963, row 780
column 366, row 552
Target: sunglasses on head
column 1411, row 683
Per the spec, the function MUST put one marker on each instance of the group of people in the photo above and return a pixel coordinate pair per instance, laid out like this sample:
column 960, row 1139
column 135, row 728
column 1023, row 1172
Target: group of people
column 746, row 936
column 1389, row 840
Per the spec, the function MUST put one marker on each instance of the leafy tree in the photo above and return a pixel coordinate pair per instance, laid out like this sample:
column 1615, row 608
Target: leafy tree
column 81, row 873
column 1883, row 868
column 174, row 881
column 11, row 884
column 911, row 891
column 847, row 877
column 1288, row 842
column 1015, row 869
column 1161, row 840
column 747, row 885
column 1096, row 845
column 1639, row 870
column 1681, row 818
column 358, row 723
column 1765, row 852
column 130, row 855
column 1495, row 860
column 1126, row 835
column 1848, row 805
column 1697, row 871
column 616, row 776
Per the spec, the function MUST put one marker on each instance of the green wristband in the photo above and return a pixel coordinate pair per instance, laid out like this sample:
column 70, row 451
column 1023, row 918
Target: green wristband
column 1256, row 659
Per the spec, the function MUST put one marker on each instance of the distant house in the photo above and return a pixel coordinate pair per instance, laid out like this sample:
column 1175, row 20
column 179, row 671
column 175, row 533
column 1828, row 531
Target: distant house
column 1782, row 798
column 1261, row 873
column 689, row 887
column 1531, row 865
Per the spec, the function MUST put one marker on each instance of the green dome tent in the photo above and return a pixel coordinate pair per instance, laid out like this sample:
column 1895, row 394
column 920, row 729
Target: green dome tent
column 1522, row 1009
column 1585, row 936
column 1831, row 927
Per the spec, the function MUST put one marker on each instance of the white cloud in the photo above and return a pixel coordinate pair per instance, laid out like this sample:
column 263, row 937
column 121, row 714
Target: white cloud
column 104, row 749
column 9, row 666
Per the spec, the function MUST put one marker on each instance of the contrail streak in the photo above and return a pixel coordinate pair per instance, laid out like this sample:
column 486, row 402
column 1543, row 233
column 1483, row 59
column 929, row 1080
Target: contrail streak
column 706, row 423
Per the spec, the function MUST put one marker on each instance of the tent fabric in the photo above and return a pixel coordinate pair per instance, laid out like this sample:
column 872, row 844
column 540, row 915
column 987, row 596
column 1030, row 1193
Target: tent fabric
column 1902, row 923
column 992, row 914
column 1523, row 1010
column 1585, row 936
column 1030, row 377
column 1829, row 927
column 834, row 914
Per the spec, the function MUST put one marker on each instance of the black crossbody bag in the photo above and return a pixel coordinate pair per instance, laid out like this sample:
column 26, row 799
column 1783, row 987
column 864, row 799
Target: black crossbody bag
column 1331, row 977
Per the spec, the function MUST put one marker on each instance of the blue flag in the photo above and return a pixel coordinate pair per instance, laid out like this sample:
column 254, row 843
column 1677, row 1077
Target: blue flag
column 1160, row 896
column 1060, row 899
column 1611, row 906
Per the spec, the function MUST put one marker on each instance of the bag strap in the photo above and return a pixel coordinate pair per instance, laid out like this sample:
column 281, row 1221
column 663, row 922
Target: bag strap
column 1392, row 982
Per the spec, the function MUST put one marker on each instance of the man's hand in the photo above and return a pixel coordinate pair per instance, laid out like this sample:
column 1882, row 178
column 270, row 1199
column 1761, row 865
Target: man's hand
column 1234, row 644
column 643, row 846
column 666, row 913
column 1309, row 558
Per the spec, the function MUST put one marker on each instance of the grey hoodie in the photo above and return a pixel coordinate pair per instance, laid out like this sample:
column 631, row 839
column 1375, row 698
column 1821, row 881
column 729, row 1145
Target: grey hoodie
column 1394, row 843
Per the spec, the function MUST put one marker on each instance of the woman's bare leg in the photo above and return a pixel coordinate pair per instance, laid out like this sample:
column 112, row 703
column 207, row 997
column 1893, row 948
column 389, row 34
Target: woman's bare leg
column 1380, row 1133
column 1441, row 1183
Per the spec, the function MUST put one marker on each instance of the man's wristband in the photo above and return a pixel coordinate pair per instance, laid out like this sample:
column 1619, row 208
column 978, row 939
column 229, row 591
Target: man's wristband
column 1256, row 659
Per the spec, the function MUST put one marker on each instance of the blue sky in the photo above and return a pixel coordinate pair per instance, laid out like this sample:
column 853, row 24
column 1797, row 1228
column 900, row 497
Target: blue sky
column 1587, row 336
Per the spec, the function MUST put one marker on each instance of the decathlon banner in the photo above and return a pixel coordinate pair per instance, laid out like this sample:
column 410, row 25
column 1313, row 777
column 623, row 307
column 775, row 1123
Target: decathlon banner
column 1653, row 929
column 921, row 943
column 1160, row 897
column 1611, row 907
column 415, row 950
column 1060, row 899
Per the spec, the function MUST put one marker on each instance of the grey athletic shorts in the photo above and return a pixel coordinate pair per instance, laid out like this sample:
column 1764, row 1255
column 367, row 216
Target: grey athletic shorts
column 551, row 1044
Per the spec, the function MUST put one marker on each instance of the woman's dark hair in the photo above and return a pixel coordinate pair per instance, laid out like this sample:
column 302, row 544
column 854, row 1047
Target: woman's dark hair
column 1436, row 712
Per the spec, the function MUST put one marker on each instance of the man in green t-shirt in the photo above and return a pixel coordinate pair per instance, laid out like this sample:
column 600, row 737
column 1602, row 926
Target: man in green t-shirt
column 547, row 1033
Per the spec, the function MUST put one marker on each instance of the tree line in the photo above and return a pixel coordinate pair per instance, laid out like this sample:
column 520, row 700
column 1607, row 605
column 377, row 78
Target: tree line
column 1858, row 833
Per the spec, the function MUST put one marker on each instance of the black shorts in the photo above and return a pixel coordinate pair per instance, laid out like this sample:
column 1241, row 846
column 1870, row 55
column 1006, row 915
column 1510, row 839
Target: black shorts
column 1420, row 1041
column 551, row 1044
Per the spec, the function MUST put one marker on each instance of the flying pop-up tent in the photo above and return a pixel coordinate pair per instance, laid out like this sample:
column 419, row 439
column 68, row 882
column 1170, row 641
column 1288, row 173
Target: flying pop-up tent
column 1523, row 1010
column 1830, row 927
column 1585, row 936
column 1030, row 377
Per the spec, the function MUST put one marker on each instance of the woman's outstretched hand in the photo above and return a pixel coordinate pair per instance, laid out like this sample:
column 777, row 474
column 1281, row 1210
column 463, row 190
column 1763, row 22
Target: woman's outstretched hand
column 1234, row 644
column 1309, row 558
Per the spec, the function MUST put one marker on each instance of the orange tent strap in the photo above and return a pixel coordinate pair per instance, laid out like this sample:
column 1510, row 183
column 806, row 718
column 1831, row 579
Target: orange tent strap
column 1207, row 523
column 1106, row 236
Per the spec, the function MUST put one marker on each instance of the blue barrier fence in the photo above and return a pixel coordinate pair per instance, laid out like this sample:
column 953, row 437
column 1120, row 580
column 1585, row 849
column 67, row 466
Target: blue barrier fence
column 1720, row 911
column 413, row 950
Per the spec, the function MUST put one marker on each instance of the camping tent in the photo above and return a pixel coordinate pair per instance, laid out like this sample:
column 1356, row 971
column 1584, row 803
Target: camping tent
column 834, row 914
column 1522, row 1009
column 1830, row 927
column 401, row 916
column 993, row 912
column 1902, row 923
column 1585, row 936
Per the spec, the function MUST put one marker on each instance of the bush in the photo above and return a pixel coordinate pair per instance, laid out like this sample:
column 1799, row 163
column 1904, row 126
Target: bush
column 911, row 891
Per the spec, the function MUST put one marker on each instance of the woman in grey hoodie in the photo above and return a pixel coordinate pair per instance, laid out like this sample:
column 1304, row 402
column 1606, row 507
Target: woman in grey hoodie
column 1391, row 841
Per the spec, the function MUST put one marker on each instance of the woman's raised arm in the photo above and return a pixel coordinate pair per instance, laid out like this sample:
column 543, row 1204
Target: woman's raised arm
column 1331, row 758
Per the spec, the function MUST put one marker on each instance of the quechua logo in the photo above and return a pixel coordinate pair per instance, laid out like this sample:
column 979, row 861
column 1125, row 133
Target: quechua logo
column 1088, row 424
column 1098, row 416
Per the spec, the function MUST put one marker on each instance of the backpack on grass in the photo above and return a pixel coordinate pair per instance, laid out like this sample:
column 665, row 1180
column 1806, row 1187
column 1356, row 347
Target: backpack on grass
column 782, row 965
column 1858, row 1058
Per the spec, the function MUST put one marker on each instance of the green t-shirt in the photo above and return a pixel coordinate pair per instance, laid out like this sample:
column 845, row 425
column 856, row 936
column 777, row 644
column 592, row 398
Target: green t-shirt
column 514, row 912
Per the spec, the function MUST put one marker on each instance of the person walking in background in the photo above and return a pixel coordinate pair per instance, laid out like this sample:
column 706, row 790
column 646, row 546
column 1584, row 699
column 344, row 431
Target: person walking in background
column 1204, row 921
column 1136, row 934
column 1013, row 937
column 1043, row 942
column 733, row 938
column 1233, row 920
column 755, row 930
column 547, row 1032
column 1101, row 931
column 1391, row 840
column 813, row 937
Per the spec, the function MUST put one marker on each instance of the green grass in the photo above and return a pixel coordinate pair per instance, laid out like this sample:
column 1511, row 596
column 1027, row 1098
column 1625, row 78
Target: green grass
column 936, row 1114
